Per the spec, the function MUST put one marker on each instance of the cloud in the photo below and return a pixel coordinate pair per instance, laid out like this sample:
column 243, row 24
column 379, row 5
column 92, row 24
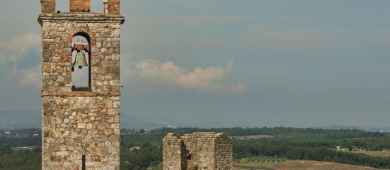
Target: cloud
column 28, row 77
column 260, row 36
column 165, row 35
column 168, row 74
column 14, row 48
column 187, row 20
column 268, row 36
column 13, row 53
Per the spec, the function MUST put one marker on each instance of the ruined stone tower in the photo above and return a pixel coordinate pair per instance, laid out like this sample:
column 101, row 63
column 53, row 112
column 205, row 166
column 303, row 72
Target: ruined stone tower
column 197, row 151
column 80, row 86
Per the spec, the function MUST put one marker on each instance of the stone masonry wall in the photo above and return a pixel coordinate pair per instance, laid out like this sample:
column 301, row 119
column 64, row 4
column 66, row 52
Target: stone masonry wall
column 114, row 7
column 57, row 33
column 224, row 153
column 74, row 126
column 201, row 147
column 202, row 151
column 80, row 123
column 48, row 6
column 80, row 5
column 173, row 152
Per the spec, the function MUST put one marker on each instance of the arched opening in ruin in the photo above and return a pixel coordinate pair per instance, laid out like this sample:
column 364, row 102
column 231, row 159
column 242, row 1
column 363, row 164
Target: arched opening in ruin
column 81, row 62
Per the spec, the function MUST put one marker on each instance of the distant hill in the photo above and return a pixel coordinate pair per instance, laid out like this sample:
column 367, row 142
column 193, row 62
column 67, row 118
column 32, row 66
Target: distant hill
column 20, row 119
column 128, row 121
column 17, row 119
column 32, row 119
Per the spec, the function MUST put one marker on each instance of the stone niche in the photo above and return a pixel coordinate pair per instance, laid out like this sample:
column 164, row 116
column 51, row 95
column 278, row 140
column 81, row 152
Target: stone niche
column 197, row 151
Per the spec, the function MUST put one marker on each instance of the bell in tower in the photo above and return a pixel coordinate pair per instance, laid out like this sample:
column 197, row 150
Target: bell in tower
column 80, row 61
column 80, row 86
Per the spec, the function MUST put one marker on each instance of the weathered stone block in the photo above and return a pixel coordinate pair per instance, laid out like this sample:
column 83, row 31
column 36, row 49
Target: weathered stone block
column 211, row 151
column 80, row 5
column 113, row 7
column 48, row 6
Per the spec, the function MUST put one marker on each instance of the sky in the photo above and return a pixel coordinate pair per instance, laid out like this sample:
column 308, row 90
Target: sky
column 224, row 63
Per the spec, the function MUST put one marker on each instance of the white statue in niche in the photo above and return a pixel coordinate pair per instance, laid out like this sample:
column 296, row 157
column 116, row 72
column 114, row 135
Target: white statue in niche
column 80, row 62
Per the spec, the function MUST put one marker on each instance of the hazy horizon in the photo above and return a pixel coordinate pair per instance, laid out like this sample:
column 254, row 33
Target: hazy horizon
column 225, row 63
column 11, row 120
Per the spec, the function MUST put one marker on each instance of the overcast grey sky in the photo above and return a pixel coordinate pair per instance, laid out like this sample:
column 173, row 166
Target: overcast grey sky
column 225, row 63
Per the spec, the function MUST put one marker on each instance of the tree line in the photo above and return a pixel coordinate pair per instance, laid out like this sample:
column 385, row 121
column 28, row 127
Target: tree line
column 142, row 150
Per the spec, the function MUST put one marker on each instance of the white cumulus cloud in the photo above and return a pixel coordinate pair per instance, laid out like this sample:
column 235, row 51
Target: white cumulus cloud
column 14, row 51
column 28, row 77
column 15, row 47
column 157, row 73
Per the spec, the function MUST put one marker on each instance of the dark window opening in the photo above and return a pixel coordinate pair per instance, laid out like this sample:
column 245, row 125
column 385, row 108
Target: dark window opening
column 83, row 167
column 188, row 155
column 81, row 62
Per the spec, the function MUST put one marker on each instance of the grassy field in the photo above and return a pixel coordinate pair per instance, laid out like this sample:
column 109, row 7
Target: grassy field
column 258, row 163
column 383, row 153
column 317, row 165
column 269, row 163
column 280, row 164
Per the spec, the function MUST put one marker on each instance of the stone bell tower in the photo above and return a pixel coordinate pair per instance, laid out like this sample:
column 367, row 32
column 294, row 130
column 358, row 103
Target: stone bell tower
column 80, row 86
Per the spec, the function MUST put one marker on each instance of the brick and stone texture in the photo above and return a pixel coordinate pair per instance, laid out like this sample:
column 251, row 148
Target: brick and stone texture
column 80, row 5
column 48, row 6
column 77, row 123
column 197, row 151
column 113, row 7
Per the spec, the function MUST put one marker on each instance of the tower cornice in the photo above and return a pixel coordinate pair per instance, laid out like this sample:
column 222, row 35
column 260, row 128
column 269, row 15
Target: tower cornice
column 79, row 94
column 81, row 17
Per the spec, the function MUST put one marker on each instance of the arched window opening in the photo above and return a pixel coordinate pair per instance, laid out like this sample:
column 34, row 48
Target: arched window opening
column 81, row 57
